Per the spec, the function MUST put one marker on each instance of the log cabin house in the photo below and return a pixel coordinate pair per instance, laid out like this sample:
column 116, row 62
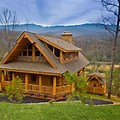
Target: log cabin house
column 40, row 62
column 96, row 83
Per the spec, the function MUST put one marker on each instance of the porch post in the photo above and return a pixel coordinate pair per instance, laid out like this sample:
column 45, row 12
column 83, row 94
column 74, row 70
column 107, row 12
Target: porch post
column 72, row 87
column 40, row 84
column 3, row 78
column 26, row 82
column 54, row 85
column 13, row 76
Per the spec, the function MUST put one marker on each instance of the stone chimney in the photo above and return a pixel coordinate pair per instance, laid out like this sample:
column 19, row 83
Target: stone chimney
column 67, row 36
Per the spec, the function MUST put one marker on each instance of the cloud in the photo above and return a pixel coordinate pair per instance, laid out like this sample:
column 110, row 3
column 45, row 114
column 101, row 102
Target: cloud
column 64, row 11
column 26, row 9
column 54, row 12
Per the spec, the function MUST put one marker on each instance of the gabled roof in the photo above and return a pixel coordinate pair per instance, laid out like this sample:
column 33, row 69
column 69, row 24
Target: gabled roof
column 59, row 43
column 38, row 41
column 101, row 75
column 14, row 52
column 98, row 76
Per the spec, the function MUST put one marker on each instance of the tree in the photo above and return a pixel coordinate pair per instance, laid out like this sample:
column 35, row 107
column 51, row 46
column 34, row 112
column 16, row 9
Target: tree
column 116, row 82
column 79, row 84
column 113, row 7
column 8, row 20
column 14, row 91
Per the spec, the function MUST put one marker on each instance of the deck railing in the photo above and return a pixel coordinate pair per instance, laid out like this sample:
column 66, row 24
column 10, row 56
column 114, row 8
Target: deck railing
column 23, row 85
column 47, row 90
column 63, row 89
column 33, row 88
column 44, row 89
column 96, row 90
column 5, row 83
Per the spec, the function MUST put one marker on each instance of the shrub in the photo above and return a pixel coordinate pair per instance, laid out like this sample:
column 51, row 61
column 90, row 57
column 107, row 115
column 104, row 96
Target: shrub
column 14, row 91
column 79, row 84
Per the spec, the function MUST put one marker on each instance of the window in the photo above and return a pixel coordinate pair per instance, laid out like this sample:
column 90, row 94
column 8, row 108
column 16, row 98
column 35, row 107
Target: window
column 37, row 53
column 30, row 46
column 50, row 47
column 67, row 56
column 20, row 54
column 29, row 53
column 33, row 78
column 24, row 53
column 57, row 52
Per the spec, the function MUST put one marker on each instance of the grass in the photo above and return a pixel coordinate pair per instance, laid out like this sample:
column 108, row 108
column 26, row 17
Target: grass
column 58, row 111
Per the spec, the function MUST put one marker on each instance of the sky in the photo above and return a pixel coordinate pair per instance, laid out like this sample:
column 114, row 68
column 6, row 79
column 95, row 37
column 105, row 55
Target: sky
column 54, row 12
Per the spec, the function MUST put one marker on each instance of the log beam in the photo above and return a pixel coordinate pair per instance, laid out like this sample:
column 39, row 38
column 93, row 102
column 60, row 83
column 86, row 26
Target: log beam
column 40, row 84
column 26, row 82
column 54, row 86
column 3, row 78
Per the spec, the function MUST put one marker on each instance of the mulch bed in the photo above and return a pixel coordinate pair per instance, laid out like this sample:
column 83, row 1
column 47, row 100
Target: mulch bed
column 39, row 100
column 98, row 102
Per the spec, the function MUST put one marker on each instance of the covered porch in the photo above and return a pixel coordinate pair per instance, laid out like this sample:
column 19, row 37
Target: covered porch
column 38, row 84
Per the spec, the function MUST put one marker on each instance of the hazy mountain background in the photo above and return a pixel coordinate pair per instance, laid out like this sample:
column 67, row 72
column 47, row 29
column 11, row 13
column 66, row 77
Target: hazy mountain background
column 94, row 40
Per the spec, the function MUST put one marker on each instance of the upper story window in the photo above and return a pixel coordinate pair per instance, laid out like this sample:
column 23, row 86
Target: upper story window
column 50, row 47
column 70, row 55
column 37, row 52
column 54, row 50
column 27, row 51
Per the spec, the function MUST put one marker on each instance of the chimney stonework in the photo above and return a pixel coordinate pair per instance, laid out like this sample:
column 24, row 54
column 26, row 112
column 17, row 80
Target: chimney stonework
column 67, row 36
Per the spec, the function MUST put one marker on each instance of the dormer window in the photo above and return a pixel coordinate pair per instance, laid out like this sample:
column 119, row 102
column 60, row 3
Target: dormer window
column 54, row 50
column 50, row 47
column 66, row 56
column 37, row 53
column 57, row 52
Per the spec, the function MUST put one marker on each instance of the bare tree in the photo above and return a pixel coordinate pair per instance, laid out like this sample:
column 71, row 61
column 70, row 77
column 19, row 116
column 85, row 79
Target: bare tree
column 113, row 7
column 8, row 20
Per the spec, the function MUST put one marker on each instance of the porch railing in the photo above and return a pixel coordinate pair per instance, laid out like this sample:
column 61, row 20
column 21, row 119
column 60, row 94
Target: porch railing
column 47, row 90
column 63, row 89
column 33, row 88
column 23, row 85
column 44, row 89
column 96, row 90
column 5, row 83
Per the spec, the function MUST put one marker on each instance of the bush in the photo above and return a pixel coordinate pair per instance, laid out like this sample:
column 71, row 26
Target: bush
column 14, row 91
column 79, row 84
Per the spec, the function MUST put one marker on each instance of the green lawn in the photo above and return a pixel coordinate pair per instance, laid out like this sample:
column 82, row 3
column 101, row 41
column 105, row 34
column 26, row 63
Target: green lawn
column 58, row 111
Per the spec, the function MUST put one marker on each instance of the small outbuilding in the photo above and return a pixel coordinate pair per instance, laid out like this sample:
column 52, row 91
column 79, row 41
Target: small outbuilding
column 96, row 83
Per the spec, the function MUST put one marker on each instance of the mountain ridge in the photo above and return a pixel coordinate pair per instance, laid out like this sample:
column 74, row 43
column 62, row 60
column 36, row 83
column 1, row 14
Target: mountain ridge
column 77, row 30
